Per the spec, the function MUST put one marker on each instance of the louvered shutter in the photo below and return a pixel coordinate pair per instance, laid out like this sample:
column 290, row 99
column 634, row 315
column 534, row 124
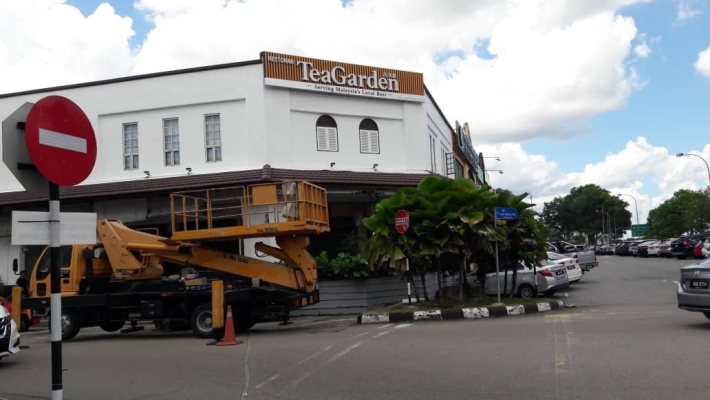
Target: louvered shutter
column 369, row 141
column 322, row 138
column 332, row 134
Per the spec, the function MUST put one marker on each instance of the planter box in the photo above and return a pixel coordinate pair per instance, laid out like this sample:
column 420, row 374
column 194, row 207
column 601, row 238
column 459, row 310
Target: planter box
column 355, row 296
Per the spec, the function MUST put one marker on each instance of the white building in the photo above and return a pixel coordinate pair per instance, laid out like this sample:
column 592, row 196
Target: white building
column 359, row 131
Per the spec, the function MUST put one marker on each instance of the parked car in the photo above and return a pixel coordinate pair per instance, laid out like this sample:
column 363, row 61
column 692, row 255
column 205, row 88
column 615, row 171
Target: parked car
column 574, row 272
column 694, row 289
column 644, row 248
column 682, row 247
column 548, row 278
column 665, row 248
column 587, row 258
column 9, row 335
column 26, row 318
column 700, row 250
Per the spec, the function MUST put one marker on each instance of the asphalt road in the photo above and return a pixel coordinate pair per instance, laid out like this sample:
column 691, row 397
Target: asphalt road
column 624, row 339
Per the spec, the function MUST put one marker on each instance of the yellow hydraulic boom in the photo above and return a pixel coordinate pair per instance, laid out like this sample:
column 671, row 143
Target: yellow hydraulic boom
column 287, row 211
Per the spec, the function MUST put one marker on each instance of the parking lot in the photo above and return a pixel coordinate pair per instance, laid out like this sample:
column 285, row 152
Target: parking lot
column 624, row 337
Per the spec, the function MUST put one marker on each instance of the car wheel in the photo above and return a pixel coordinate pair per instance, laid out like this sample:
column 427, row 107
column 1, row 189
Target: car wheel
column 526, row 292
column 707, row 314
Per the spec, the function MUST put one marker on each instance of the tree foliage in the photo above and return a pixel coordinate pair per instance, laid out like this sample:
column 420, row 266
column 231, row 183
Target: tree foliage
column 687, row 211
column 581, row 212
column 455, row 218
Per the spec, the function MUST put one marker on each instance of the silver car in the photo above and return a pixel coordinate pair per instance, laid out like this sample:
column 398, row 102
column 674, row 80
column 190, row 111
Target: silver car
column 549, row 278
column 694, row 288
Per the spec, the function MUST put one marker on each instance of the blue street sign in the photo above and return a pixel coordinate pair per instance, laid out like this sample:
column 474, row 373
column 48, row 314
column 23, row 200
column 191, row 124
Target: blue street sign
column 506, row 213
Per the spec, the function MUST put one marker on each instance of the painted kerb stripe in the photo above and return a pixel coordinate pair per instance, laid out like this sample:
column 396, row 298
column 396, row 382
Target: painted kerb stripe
column 62, row 141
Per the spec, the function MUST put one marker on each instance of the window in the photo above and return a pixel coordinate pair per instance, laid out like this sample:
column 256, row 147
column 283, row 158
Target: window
column 458, row 169
column 130, row 146
column 213, row 138
column 432, row 153
column 326, row 133
column 443, row 162
column 369, row 137
column 171, row 141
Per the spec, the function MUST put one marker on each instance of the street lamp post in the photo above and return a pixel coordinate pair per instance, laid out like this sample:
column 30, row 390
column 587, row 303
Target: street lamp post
column 700, row 157
column 636, row 204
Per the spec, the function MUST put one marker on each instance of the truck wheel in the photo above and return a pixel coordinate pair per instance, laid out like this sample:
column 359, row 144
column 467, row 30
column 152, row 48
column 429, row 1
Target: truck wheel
column 112, row 326
column 201, row 321
column 69, row 323
column 24, row 324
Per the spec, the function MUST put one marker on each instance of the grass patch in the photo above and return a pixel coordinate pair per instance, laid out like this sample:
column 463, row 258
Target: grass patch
column 451, row 303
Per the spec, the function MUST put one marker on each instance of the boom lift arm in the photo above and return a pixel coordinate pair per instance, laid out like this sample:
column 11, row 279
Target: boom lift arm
column 287, row 211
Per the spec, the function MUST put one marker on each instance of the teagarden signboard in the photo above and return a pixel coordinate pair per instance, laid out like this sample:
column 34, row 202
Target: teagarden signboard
column 340, row 78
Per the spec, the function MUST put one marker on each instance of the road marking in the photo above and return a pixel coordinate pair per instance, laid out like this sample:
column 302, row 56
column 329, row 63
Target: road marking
column 62, row 141
column 402, row 326
column 331, row 359
column 346, row 351
column 358, row 335
column 385, row 326
column 381, row 334
column 326, row 321
column 592, row 314
column 314, row 355
column 262, row 384
column 245, row 391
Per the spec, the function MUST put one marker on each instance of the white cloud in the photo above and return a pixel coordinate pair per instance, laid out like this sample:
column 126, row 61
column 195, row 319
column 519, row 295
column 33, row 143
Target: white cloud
column 686, row 11
column 642, row 50
column 557, row 63
column 47, row 42
column 702, row 65
column 633, row 170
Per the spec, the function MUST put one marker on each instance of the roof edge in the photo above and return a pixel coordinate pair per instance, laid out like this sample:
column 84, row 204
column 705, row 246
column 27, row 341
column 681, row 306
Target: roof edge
column 133, row 78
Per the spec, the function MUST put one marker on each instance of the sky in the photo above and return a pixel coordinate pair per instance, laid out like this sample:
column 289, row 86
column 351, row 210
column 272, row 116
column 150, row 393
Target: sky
column 565, row 93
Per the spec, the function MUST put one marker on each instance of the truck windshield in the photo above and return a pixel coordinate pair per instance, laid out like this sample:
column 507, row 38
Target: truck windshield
column 44, row 265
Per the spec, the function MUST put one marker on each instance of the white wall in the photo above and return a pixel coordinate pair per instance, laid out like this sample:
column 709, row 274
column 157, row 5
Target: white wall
column 291, row 132
column 147, row 101
column 440, row 131
column 7, row 254
column 259, row 125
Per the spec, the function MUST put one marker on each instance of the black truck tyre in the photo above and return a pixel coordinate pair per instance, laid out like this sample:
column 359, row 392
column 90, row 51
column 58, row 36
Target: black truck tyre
column 24, row 323
column 69, row 323
column 201, row 321
column 112, row 326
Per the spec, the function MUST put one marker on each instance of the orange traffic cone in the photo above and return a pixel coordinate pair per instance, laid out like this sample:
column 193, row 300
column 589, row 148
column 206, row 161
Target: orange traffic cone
column 230, row 338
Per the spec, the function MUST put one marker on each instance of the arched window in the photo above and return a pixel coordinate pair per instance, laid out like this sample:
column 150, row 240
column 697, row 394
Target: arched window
column 326, row 133
column 369, row 137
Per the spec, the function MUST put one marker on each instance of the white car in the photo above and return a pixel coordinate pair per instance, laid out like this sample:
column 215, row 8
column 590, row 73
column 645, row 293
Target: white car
column 574, row 272
column 9, row 336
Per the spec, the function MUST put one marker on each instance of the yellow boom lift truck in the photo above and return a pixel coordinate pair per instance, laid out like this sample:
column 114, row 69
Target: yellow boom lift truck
column 132, row 275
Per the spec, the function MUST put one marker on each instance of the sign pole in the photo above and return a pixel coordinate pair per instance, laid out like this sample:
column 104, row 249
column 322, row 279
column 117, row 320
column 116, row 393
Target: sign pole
column 495, row 223
column 56, row 291
column 409, row 283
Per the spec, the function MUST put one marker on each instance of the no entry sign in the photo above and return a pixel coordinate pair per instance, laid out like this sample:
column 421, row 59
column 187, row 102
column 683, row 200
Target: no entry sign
column 60, row 141
column 401, row 221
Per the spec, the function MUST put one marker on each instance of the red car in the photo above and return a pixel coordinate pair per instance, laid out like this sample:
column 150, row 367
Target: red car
column 26, row 318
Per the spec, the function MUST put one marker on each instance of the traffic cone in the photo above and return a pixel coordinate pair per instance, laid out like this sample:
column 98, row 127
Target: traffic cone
column 230, row 338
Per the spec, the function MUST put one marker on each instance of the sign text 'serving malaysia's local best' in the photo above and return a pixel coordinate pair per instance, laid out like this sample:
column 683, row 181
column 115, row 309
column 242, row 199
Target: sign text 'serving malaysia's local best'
column 341, row 78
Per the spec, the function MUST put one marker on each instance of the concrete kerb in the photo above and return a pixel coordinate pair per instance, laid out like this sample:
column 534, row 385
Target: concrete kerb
column 460, row 313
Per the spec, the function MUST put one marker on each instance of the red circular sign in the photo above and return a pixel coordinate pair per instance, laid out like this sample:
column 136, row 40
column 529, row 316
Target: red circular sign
column 60, row 140
column 401, row 221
